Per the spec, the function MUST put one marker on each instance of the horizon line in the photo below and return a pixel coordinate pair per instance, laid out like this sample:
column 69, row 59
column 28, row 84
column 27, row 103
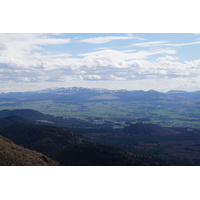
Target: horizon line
column 97, row 88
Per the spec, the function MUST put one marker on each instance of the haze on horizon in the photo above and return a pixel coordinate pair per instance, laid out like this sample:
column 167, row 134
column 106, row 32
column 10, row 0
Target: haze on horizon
column 162, row 62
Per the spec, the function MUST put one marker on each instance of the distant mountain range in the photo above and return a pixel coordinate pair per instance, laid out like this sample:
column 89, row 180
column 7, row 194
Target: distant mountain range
column 174, row 108
column 77, row 93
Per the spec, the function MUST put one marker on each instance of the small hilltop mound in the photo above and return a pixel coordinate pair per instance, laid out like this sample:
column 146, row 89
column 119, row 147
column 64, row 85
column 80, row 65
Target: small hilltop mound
column 148, row 130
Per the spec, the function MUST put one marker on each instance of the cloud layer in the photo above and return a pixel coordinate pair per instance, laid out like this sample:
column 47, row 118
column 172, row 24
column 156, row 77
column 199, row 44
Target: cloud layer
column 25, row 58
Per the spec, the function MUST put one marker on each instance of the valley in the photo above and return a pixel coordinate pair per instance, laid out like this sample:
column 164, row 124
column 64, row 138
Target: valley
column 96, row 127
column 111, row 108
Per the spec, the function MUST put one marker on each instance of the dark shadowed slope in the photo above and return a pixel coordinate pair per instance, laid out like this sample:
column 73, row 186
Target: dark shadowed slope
column 132, row 131
column 15, row 155
column 96, row 154
column 148, row 129
column 41, row 138
column 12, row 120
column 70, row 148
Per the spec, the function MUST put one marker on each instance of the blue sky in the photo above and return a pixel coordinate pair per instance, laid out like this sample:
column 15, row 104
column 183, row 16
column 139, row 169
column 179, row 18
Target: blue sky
column 132, row 61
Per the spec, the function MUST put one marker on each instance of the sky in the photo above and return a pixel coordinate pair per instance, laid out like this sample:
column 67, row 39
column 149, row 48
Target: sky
column 132, row 61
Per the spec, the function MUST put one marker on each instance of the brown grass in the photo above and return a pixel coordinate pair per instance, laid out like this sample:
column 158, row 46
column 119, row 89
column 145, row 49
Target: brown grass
column 15, row 155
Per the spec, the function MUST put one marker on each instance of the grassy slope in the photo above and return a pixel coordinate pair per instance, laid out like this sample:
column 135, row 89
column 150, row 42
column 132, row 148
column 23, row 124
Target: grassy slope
column 15, row 155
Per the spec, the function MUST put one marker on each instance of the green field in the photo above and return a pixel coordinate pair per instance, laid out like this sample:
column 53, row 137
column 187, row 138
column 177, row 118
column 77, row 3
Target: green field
column 171, row 114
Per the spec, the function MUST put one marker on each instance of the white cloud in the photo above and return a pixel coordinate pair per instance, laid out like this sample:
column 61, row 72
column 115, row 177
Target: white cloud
column 167, row 58
column 183, row 44
column 163, row 43
column 130, row 50
column 101, row 40
column 28, row 42
column 193, row 64
column 126, row 55
column 117, row 78
column 17, row 52
column 19, row 47
column 149, row 44
column 92, row 77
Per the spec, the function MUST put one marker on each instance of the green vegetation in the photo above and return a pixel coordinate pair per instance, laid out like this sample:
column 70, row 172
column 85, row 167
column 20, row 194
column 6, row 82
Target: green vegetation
column 171, row 114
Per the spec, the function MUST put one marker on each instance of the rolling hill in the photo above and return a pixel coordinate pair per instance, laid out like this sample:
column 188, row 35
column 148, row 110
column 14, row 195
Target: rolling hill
column 147, row 130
